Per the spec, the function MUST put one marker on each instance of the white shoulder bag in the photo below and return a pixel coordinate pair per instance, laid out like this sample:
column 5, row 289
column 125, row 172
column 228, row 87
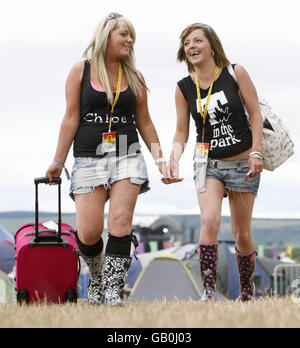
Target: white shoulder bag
column 277, row 144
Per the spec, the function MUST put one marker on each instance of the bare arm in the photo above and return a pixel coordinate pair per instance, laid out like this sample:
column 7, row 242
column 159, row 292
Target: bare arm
column 183, row 125
column 146, row 127
column 181, row 134
column 70, row 122
column 150, row 137
column 250, row 98
column 148, row 132
column 249, row 95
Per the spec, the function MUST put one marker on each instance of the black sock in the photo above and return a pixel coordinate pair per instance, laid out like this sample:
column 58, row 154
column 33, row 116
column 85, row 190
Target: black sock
column 90, row 250
column 118, row 246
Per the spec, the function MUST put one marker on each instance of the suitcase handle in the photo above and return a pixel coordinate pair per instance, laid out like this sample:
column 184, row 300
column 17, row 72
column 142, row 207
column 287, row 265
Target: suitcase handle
column 48, row 231
column 45, row 180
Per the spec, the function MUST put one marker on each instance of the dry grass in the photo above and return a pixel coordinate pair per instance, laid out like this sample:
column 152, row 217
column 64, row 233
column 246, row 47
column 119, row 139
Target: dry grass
column 266, row 313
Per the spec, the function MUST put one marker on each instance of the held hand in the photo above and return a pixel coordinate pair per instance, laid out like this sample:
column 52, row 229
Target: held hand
column 163, row 169
column 53, row 171
column 172, row 174
column 173, row 169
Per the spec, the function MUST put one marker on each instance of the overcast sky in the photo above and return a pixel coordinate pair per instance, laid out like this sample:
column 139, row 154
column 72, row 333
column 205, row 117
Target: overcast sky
column 40, row 41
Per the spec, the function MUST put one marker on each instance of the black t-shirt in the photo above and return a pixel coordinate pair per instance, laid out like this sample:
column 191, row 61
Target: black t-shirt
column 95, row 113
column 226, row 130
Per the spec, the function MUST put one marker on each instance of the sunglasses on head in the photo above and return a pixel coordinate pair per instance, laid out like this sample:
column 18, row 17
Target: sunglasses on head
column 112, row 15
column 203, row 26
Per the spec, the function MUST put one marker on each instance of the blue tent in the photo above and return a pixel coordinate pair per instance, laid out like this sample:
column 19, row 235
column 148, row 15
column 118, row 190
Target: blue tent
column 7, row 251
column 4, row 235
column 133, row 272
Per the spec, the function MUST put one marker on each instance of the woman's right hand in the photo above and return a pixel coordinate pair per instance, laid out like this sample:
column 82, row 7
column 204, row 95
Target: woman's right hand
column 53, row 171
column 173, row 169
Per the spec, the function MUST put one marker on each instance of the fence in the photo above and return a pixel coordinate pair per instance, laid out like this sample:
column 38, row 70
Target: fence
column 286, row 279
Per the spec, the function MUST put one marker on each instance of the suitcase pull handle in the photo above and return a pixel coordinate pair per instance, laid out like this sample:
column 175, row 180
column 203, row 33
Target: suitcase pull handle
column 45, row 180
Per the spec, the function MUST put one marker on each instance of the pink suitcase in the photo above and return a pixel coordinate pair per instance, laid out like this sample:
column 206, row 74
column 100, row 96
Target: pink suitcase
column 46, row 260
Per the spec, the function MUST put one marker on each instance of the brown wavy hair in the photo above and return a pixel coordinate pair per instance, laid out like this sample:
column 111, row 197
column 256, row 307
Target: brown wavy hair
column 219, row 55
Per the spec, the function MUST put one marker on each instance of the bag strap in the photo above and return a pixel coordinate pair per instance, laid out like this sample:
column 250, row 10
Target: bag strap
column 232, row 73
column 262, row 102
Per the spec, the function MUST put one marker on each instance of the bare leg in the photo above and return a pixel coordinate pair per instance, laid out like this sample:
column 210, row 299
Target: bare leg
column 241, row 208
column 117, row 256
column 210, row 203
column 123, row 199
column 90, row 215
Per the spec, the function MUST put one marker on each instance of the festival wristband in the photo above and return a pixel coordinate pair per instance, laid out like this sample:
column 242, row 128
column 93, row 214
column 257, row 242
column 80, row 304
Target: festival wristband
column 59, row 163
column 160, row 160
column 63, row 166
column 173, row 160
column 256, row 154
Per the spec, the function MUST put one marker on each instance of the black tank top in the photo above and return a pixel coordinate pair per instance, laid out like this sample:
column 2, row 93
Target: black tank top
column 226, row 128
column 94, row 120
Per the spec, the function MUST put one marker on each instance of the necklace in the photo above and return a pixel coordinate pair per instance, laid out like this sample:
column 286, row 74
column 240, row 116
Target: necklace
column 204, row 113
column 117, row 95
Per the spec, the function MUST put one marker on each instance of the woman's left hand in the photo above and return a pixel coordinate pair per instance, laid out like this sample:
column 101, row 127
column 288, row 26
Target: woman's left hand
column 256, row 166
column 168, row 176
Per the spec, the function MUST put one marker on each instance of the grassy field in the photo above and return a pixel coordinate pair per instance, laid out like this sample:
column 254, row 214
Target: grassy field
column 266, row 313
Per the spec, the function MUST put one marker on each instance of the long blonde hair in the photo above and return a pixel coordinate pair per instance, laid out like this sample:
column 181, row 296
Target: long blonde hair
column 96, row 51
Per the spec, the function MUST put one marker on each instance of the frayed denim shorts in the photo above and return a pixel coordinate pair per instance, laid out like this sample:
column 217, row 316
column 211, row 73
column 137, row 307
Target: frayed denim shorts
column 89, row 173
column 233, row 179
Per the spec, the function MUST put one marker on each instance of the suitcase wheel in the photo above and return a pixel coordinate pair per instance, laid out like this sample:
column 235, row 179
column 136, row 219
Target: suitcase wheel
column 71, row 296
column 23, row 296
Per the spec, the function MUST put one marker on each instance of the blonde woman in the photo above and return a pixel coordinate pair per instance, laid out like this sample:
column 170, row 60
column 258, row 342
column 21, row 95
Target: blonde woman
column 106, row 108
column 227, row 159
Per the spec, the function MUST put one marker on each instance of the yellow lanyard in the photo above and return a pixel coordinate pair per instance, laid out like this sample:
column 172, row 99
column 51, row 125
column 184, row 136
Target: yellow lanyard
column 204, row 114
column 117, row 96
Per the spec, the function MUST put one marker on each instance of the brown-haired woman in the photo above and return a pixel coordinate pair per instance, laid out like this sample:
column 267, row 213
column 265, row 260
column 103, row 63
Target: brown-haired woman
column 227, row 159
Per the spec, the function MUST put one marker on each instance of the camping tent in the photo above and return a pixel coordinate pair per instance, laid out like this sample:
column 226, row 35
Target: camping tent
column 143, row 259
column 7, row 251
column 165, row 277
column 134, row 271
column 7, row 256
column 185, row 251
column 5, row 235
column 7, row 293
column 228, row 278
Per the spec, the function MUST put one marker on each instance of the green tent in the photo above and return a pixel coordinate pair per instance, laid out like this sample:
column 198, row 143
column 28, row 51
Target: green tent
column 168, row 278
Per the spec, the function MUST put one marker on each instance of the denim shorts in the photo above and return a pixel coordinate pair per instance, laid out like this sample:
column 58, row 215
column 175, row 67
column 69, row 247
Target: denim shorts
column 89, row 173
column 233, row 179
